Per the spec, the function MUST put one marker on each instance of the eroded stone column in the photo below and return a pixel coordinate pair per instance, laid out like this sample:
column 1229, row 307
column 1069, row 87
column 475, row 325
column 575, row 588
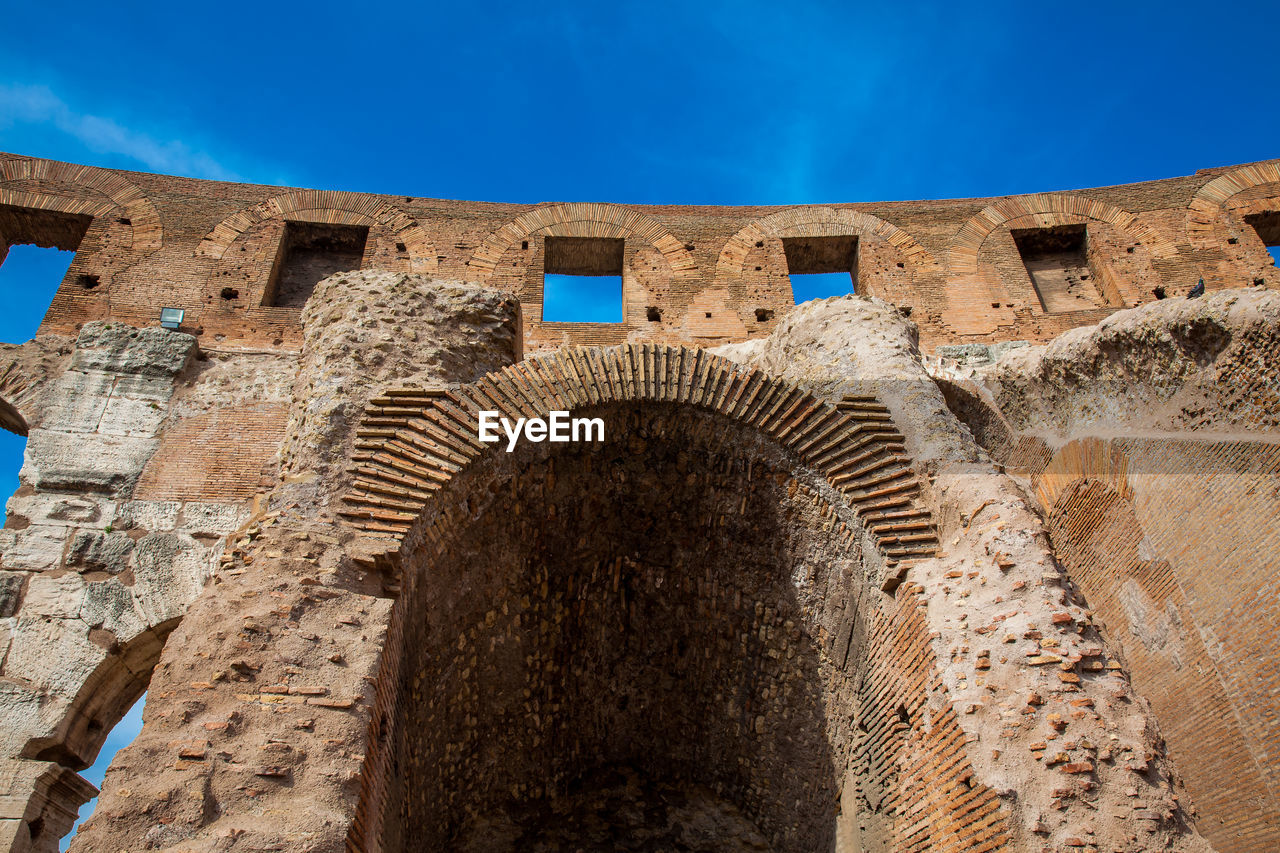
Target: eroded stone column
column 90, row 579
column 1051, row 721
column 254, row 739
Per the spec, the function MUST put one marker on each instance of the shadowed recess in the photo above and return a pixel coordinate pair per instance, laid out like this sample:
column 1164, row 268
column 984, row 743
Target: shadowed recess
column 580, row 668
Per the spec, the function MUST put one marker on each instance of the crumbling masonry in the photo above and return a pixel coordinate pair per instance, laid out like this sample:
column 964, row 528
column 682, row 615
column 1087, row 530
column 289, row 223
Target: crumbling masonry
column 980, row 558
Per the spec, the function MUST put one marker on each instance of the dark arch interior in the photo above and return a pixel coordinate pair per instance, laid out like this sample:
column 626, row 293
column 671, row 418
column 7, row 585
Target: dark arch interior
column 633, row 645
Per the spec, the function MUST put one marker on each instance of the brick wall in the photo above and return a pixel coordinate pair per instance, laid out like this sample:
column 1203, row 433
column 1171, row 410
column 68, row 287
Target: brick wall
column 1173, row 543
column 699, row 665
column 209, row 247
column 227, row 455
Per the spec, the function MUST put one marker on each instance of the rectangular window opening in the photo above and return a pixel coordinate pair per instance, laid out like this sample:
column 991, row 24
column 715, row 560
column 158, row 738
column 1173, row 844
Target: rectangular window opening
column 36, row 250
column 1267, row 225
column 1057, row 261
column 821, row 266
column 310, row 252
column 582, row 279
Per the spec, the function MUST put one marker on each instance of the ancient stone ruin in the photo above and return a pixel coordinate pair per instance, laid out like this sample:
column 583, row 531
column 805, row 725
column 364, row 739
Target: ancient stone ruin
column 981, row 557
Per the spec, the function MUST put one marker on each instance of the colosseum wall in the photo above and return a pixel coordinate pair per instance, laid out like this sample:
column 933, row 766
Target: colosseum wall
column 980, row 557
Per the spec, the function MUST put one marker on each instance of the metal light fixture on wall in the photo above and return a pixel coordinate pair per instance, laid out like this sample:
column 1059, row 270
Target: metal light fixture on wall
column 171, row 318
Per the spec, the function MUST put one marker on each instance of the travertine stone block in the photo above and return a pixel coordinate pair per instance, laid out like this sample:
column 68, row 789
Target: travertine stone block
column 59, row 597
column 54, row 655
column 71, row 462
column 94, row 550
column 117, row 348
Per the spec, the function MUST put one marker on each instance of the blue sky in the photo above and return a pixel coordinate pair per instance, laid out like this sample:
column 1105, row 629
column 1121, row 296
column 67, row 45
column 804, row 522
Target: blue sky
column 708, row 103
column 715, row 102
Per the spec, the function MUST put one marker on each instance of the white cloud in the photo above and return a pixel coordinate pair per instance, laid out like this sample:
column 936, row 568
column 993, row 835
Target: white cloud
column 39, row 105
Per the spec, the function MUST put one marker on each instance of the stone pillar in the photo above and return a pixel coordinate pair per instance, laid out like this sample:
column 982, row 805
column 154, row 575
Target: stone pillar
column 42, row 805
column 263, row 692
column 88, row 585
column 365, row 330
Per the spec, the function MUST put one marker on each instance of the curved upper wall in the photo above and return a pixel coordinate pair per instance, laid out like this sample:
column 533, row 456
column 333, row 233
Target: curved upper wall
column 240, row 258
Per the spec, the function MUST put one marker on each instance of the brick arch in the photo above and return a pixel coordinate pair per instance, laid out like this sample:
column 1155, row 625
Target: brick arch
column 816, row 221
column 1207, row 204
column 115, row 190
column 414, row 441
column 583, row 219
column 330, row 207
column 965, row 246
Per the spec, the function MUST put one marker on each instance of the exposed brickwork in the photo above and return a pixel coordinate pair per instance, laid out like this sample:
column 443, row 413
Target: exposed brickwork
column 934, row 804
column 1150, row 530
column 718, row 626
column 228, row 455
column 788, row 603
column 692, row 275
column 414, row 441
column 1160, row 490
column 1148, row 618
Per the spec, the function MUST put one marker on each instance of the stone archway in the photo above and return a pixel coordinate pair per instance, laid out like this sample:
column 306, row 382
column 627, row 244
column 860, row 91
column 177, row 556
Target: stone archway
column 17, row 390
column 11, row 419
column 580, row 666
column 564, row 645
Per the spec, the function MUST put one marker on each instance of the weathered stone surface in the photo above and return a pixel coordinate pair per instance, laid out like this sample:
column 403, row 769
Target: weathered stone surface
column 211, row 518
column 59, row 597
column 155, row 389
column 110, row 605
column 1202, row 364
column 93, row 550
column 63, row 510
column 148, row 515
column 26, row 372
column 169, row 570
column 125, row 415
column 25, row 711
column 54, row 654
column 725, row 626
column 118, row 348
column 82, row 398
column 10, row 592
column 34, row 548
column 85, row 462
column 367, row 329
